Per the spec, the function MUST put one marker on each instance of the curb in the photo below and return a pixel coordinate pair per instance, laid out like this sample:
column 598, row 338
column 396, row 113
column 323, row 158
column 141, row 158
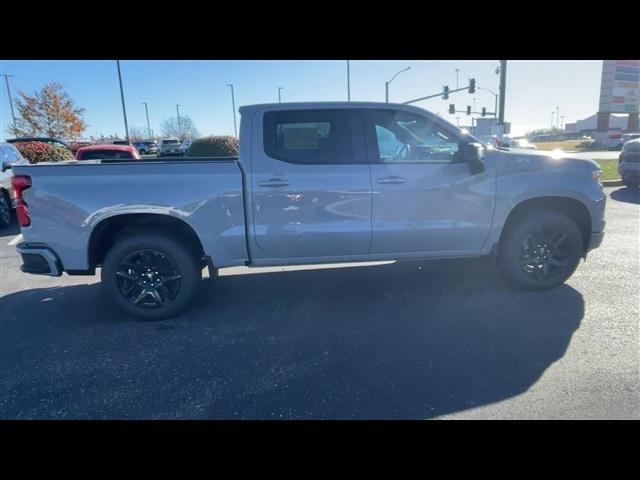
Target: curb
column 612, row 183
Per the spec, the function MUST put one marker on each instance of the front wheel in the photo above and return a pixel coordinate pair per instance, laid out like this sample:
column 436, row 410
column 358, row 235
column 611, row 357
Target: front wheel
column 151, row 276
column 541, row 250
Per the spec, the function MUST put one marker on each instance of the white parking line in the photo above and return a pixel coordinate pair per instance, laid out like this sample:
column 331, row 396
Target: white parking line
column 17, row 239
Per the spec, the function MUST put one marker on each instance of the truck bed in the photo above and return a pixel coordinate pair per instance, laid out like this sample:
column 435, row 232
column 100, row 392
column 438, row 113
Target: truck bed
column 68, row 200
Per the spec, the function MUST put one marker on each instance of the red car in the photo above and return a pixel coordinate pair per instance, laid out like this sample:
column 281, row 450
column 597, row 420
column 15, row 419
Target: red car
column 108, row 152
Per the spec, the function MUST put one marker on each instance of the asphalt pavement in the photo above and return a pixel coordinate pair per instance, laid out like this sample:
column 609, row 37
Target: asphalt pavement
column 414, row 340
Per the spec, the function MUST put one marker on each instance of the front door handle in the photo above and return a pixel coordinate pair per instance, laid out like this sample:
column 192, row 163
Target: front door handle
column 392, row 179
column 274, row 182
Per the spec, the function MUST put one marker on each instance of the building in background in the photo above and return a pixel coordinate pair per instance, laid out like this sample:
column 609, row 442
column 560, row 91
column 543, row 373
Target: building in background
column 619, row 93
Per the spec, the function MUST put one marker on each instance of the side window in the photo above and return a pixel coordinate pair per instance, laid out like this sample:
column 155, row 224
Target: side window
column 309, row 136
column 403, row 137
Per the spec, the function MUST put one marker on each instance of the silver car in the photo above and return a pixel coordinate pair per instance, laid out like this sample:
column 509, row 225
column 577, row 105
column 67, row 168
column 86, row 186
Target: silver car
column 170, row 146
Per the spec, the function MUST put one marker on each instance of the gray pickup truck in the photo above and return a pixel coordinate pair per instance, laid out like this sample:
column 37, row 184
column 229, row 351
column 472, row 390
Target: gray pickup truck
column 314, row 183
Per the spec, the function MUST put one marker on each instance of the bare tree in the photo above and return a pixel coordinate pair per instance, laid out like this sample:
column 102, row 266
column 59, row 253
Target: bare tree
column 137, row 134
column 187, row 128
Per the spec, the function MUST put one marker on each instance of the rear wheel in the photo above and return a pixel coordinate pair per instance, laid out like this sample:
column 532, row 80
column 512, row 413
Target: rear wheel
column 630, row 183
column 151, row 276
column 5, row 210
column 541, row 250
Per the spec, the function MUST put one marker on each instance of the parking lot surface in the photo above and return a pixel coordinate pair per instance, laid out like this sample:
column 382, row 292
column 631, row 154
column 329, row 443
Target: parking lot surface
column 414, row 340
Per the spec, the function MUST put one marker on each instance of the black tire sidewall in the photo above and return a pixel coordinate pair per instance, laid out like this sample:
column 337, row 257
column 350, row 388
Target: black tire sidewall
column 509, row 255
column 184, row 260
column 5, row 203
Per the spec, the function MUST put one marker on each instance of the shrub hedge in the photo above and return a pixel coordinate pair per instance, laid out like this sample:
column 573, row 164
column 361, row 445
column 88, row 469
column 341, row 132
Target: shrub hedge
column 37, row 152
column 215, row 146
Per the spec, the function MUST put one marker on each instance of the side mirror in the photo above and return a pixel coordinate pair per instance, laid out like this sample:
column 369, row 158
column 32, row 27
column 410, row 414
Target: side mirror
column 473, row 154
column 6, row 165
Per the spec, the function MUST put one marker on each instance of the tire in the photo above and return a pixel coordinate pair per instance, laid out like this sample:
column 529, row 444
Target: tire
column 630, row 183
column 5, row 210
column 540, row 251
column 129, row 274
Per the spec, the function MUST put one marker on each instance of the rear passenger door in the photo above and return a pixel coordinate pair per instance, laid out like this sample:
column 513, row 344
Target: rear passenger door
column 310, row 184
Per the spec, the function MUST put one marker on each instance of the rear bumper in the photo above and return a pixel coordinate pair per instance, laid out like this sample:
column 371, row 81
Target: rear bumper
column 39, row 260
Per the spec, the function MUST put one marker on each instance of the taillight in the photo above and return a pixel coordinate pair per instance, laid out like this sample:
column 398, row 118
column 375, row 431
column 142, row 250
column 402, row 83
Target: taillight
column 20, row 183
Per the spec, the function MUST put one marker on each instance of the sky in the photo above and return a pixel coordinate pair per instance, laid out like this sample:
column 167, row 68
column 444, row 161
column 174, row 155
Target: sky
column 534, row 88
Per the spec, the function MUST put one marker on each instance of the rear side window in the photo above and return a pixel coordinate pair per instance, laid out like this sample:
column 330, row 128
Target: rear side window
column 107, row 155
column 309, row 136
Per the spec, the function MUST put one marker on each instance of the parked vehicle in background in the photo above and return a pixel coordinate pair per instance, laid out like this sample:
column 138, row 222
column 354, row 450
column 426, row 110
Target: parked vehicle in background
column 314, row 183
column 169, row 146
column 51, row 140
column 521, row 143
column 121, row 142
column 108, row 152
column 627, row 137
column 9, row 156
column 146, row 147
column 629, row 163
column 74, row 146
column 186, row 145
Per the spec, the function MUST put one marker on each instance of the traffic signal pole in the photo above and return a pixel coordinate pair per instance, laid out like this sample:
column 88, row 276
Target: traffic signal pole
column 436, row 95
column 502, row 91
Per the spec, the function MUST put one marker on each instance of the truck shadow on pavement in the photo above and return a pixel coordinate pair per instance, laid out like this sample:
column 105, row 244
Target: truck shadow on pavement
column 628, row 195
column 404, row 340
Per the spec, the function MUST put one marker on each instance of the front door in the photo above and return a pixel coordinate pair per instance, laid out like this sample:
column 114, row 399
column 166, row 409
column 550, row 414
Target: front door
column 424, row 197
column 310, row 185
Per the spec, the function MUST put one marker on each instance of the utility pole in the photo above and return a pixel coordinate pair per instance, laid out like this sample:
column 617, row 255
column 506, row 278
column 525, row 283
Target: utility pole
column 233, row 105
column 457, row 78
column 503, row 90
column 147, row 112
column 558, row 118
column 13, row 115
column 348, row 83
column 279, row 96
column 552, row 114
column 124, row 111
column 179, row 127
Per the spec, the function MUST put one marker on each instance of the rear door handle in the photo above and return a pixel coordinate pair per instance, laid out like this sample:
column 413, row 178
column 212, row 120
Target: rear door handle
column 392, row 179
column 274, row 182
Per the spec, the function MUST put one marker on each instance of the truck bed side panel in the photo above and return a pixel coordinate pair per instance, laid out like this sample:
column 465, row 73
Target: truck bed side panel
column 67, row 202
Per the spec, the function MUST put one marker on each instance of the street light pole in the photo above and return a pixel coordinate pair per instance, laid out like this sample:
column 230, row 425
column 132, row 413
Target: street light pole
column 279, row 96
column 233, row 106
column 557, row 118
column 147, row 112
column 386, row 84
column 179, row 126
column 348, row 83
column 457, row 78
column 13, row 116
column 124, row 110
column 552, row 114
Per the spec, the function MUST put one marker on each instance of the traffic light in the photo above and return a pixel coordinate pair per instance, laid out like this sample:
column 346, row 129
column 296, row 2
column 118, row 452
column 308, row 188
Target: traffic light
column 484, row 111
column 468, row 109
column 472, row 85
column 445, row 92
column 452, row 108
